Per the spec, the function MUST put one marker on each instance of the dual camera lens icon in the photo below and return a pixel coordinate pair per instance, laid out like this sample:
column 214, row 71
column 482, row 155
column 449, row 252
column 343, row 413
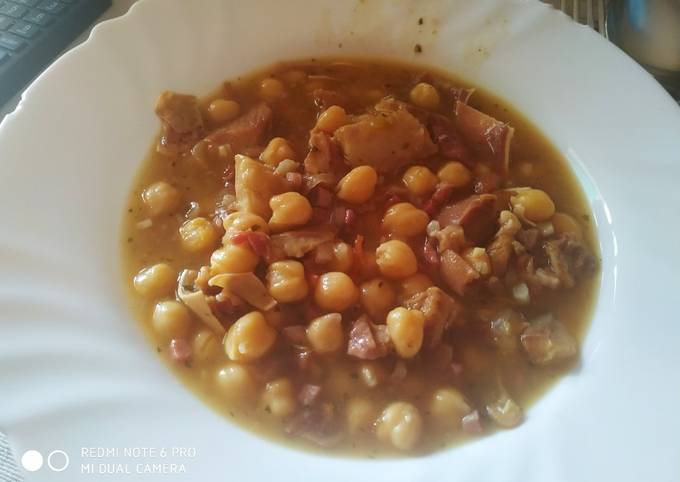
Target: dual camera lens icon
column 57, row 460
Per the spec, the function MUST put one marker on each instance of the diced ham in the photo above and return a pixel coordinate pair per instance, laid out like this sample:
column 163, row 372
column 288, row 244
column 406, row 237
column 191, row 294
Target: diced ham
column 257, row 240
column 296, row 244
column 180, row 350
column 440, row 196
column 309, row 394
column 350, row 217
column 546, row 341
column 317, row 423
column 294, row 180
column 392, row 200
column 247, row 130
column 475, row 214
column 440, row 310
column 367, row 341
column 430, row 253
column 320, row 196
column 449, row 142
column 386, row 140
column 456, row 272
column 490, row 137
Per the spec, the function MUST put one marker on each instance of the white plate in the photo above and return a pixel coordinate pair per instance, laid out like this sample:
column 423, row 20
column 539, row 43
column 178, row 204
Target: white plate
column 76, row 372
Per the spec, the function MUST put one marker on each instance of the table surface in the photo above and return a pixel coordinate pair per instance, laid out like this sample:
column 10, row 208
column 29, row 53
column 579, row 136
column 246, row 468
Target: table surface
column 118, row 8
column 9, row 471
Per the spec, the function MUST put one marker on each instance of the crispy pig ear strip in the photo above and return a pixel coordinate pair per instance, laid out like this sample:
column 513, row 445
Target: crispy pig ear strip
column 487, row 135
column 255, row 185
column 246, row 286
column 195, row 300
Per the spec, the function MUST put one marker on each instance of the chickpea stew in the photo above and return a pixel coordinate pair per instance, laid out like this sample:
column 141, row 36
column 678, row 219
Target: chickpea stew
column 360, row 256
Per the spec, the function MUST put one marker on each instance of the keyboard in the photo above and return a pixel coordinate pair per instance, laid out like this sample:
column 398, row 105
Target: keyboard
column 34, row 32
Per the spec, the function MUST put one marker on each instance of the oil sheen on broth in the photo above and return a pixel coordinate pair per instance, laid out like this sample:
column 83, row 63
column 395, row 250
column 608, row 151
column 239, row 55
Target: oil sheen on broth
column 419, row 297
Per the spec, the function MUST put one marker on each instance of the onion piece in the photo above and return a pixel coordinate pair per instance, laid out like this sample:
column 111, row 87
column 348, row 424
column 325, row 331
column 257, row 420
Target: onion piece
column 196, row 301
column 246, row 286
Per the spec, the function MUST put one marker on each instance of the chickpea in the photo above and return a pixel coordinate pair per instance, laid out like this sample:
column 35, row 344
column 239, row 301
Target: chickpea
column 249, row 338
column 244, row 221
column 235, row 383
column 343, row 257
column 358, row 185
column 425, row 95
column 278, row 398
column 565, row 224
column 155, row 281
column 160, row 198
column 359, row 415
column 396, row 259
column 198, row 234
column 331, row 119
column 406, row 329
column 290, row 210
column 171, row 319
column 222, row 111
column 455, row 174
column 449, row 407
column 335, row 291
column 378, row 297
column 286, row 281
column 414, row 285
column 404, row 219
column 276, row 151
column 325, row 333
column 272, row 90
column 206, row 346
column 419, row 180
column 233, row 258
column 400, row 424
column 533, row 204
